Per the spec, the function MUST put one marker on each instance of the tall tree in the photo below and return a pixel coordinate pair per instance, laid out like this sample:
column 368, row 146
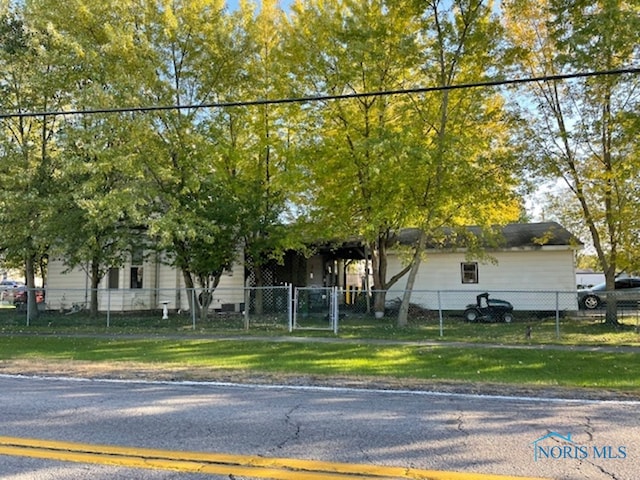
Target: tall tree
column 195, row 217
column 99, row 204
column 254, row 142
column 584, row 131
column 32, row 81
column 461, row 165
column 356, row 148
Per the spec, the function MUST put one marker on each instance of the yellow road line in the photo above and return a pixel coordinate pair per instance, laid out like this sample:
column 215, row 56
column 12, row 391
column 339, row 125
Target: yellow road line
column 221, row 463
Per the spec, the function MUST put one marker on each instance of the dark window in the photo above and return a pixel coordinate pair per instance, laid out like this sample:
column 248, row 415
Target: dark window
column 469, row 272
column 114, row 278
column 621, row 284
column 136, row 277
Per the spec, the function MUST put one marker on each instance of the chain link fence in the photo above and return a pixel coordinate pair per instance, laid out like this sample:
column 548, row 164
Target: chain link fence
column 224, row 309
column 284, row 308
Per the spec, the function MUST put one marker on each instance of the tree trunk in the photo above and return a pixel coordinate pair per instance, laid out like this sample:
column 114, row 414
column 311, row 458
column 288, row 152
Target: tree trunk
column 32, row 302
column 258, row 303
column 194, row 305
column 611, row 315
column 379, row 272
column 403, row 314
column 95, row 281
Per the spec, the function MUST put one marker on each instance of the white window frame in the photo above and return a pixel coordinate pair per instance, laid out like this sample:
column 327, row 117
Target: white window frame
column 469, row 272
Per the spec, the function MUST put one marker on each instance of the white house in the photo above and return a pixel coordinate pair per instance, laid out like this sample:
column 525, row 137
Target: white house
column 533, row 266
column 142, row 283
column 541, row 279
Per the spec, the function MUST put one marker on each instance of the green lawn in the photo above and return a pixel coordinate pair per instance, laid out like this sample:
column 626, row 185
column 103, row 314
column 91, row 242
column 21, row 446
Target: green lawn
column 569, row 331
column 149, row 340
column 532, row 367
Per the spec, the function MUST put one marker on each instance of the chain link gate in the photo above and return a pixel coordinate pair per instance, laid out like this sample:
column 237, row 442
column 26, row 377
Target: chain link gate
column 315, row 308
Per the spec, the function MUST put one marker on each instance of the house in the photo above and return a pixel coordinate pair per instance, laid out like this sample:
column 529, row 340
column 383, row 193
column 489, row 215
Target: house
column 142, row 283
column 525, row 258
column 530, row 264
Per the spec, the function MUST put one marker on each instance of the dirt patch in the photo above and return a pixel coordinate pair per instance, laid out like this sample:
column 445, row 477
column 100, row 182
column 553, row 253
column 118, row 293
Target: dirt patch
column 176, row 373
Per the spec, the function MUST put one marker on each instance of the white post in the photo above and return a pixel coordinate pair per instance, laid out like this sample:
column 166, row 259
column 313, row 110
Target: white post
column 290, row 306
column 335, row 312
column 294, row 317
column 440, row 314
column 557, row 314
column 165, row 310
column 193, row 307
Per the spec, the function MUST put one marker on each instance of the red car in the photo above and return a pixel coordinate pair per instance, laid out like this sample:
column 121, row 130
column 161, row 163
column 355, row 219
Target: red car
column 20, row 295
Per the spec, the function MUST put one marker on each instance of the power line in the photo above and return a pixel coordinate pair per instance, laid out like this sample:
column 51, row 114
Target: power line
column 321, row 98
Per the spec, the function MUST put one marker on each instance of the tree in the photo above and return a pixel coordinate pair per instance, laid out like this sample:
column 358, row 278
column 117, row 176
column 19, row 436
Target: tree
column 461, row 168
column 254, row 142
column 584, row 131
column 355, row 149
column 100, row 210
column 32, row 81
column 194, row 217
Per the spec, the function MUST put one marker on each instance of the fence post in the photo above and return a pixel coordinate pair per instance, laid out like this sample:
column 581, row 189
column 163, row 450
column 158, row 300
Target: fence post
column 440, row 314
column 247, row 304
column 334, row 312
column 290, row 306
column 293, row 301
column 28, row 308
column 558, row 315
column 108, row 307
column 193, row 307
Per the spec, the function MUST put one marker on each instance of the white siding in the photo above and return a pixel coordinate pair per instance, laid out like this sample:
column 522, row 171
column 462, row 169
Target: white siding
column 161, row 283
column 527, row 278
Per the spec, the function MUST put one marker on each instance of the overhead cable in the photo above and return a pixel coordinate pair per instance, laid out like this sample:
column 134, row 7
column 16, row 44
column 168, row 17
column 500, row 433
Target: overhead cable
column 323, row 98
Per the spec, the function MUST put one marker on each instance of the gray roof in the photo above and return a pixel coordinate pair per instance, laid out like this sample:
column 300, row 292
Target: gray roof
column 513, row 235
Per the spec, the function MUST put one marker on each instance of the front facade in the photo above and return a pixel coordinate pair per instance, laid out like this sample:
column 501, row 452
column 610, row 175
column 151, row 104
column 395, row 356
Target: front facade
column 533, row 267
column 531, row 264
column 142, row 283
column 530, row 279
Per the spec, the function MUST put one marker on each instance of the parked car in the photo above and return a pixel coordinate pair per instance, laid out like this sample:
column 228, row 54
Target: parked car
column 9, row 288
column 21, row 294
column 627, row 292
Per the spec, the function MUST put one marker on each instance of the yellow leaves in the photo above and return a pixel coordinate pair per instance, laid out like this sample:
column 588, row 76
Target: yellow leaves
column 169, row 19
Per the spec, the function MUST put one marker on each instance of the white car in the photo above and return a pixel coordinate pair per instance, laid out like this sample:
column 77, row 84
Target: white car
column 8, row 289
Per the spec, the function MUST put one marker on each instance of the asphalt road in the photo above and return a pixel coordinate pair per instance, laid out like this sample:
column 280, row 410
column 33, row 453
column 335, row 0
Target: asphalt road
column 557, row 439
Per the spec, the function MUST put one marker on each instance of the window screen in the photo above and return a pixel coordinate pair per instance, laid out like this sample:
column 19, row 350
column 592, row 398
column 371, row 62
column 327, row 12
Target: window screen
column 469, row 272
column 114, row 277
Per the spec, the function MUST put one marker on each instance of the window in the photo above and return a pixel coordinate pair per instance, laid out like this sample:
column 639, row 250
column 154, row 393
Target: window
column 469, row 272
column 114, row 277
column 136, row 277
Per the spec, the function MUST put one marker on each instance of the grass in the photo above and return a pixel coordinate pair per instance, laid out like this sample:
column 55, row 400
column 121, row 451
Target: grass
column 534, row 367
column 572, row 331
column 175, row 344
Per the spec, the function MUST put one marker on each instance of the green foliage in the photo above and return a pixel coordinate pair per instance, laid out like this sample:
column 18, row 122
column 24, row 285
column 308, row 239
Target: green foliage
column 582, row 131
column 204, row 183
